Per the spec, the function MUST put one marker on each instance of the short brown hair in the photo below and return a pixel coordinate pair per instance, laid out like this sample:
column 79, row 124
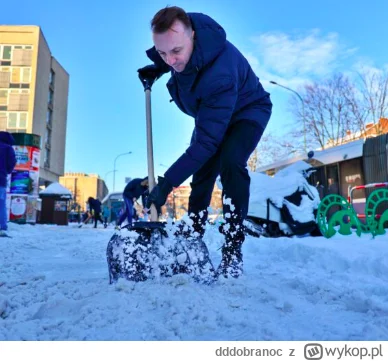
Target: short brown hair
column 163, row 19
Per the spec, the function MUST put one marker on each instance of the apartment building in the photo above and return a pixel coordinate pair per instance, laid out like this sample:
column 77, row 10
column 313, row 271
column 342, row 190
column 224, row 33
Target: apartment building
column 83, row 186
column 177, row 203
column 34, row 95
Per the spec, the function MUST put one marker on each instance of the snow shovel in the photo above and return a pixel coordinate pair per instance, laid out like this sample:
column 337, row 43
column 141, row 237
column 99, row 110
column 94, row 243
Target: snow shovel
column 147, row 251
column 136, row 256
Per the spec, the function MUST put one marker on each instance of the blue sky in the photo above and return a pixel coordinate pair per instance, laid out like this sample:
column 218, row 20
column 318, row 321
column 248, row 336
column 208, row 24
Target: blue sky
column 102, row 44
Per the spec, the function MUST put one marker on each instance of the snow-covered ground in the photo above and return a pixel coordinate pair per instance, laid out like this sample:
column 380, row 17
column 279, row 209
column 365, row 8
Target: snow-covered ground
column 54, row 286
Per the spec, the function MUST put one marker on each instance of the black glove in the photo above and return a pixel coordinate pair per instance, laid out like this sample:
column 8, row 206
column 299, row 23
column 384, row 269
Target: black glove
column 159, row 194
column 150, row 72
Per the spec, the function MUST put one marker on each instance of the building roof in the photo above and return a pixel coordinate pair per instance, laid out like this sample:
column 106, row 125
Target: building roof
column 113, row 195
column 331, row 155
column 56, row 189
column 340, row 153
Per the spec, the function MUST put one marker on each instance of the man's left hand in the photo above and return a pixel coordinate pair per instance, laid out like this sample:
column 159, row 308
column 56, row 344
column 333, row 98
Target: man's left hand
column 158, row 195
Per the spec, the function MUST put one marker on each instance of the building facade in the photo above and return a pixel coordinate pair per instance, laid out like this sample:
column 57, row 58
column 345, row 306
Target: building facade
column 34, row 95
column 83, row 186
column 177, row 203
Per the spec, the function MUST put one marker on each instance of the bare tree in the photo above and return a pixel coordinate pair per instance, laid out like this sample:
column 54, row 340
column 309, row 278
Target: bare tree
column 270, row 149
column 336, row 111
column 330, row 111
column 252, row 161
column 373, row 85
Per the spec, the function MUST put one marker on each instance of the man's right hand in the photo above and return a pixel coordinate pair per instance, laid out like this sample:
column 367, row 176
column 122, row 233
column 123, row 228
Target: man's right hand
column 159, row 193
column 151, row 71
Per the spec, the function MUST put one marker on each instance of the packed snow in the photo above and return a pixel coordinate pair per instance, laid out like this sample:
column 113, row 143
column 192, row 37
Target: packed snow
column 54, row 286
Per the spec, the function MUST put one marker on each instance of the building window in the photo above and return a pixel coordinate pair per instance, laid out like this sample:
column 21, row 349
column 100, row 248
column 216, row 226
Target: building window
column 47, row 158
column 16, row 120
column 49, row 117
column 50, row 97
column 14, row 99
column 48, row 138
column 12, row 120
column 20, row 75
column 16, row 54
column 15, row 77
column 18, row 102
column 52, row 78
column 3, row 97
column 5, row 77
column 26, row 75
column 5, row 52
column 23, row 120
column 3, row 121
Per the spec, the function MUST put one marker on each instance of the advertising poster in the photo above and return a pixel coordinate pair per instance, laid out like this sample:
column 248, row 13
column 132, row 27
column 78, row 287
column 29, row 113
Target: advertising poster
column 23, row 186
column 22, row 153
column 18, row 208
column 20, row 183
column 35, row 159
column 60, row 206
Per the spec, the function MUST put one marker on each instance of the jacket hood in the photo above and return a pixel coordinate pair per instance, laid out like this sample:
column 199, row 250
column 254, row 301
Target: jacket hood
column 7, row 138
column 210, row 39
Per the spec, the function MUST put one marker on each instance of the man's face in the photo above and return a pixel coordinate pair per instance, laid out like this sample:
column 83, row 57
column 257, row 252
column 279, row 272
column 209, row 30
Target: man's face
column 175, row 46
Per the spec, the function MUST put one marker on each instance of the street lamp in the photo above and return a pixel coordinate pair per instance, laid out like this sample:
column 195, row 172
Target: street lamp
column 114, row 168
column 106, row 175
column 303, row 114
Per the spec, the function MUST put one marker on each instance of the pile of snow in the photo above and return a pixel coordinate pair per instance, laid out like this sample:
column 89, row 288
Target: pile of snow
column 54, row 286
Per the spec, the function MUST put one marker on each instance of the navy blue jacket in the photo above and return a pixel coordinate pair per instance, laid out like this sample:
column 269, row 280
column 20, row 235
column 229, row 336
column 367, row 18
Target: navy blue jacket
column 7, row 157
column 217, row 88
column 95, row 205
column 134, row 190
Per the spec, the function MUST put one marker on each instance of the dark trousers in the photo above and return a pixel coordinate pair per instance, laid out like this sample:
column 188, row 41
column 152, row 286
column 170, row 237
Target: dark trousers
column 97, row 217
column 128, row 213
column 230, row 162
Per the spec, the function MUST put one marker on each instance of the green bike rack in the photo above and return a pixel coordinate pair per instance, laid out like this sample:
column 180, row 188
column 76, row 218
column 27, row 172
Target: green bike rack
column 346, row 218
column 374, row 200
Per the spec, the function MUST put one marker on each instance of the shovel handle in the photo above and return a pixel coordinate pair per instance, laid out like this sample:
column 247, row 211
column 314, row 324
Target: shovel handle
column 150, row 152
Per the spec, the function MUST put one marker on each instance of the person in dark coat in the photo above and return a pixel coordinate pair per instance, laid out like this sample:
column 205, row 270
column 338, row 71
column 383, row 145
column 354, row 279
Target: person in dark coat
column 134, row 189
column 212, row 82
column 7, row 164
column 95, row 209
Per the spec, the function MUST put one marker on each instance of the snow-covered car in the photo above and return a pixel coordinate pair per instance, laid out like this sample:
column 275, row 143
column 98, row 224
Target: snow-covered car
column 285, row 204
column 282, row 205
